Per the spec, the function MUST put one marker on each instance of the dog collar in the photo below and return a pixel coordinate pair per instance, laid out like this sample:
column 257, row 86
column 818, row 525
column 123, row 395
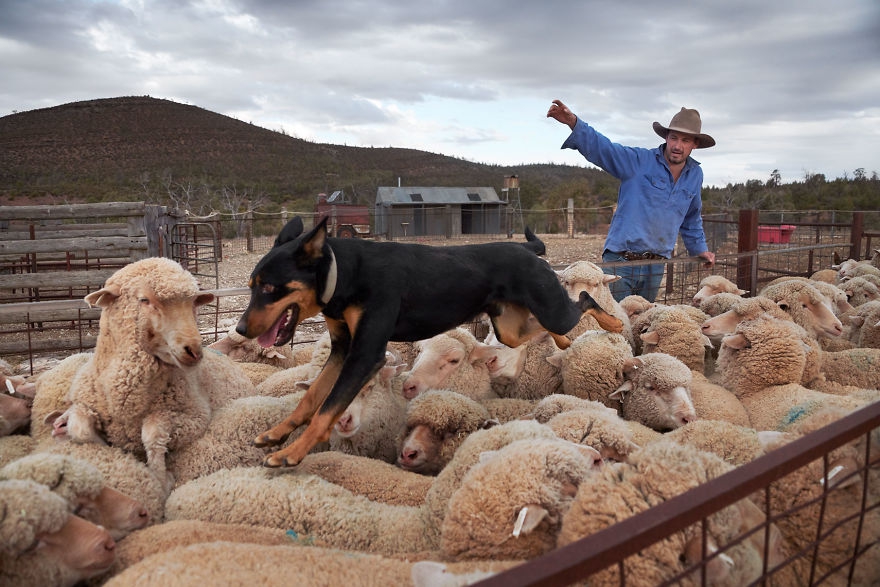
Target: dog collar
column 330, row 286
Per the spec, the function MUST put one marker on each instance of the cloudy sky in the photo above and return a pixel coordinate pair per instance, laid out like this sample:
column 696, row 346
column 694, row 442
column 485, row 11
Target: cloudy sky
column 788, row 85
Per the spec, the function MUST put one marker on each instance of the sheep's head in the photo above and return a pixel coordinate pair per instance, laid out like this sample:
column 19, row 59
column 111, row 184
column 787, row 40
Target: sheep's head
column 656, row 392
column 161, row 299
column 585, row 276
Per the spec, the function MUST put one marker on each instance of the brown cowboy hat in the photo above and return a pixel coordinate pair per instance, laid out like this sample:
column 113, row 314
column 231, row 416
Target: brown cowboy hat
column 687, row 121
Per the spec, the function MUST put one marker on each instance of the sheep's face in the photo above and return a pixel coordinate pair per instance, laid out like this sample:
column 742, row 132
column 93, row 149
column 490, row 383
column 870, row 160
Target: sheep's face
column 438, row 358
column 168, row 329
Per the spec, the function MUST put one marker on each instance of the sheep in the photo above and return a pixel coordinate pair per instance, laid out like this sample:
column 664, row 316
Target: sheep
column 607, row 433
column 804, row 495
column 656, row 473
column 82, row 486
column 856, row 367
column 294, row 379
column 149, row 388
column 634, row 304
column 826, row 275
column 592, row 367
column 865, row 325
column 719, row 303
column 860, row 290
column 372, row 423
column 376, row 480
column 806, row 306
column 71, row 550
column 248, row 350
column 656, row 392
column 51, row 398
column 524, row 372
column 762, row 363
column 242, row 563
column 589, row 277
column 120, row 471
column 453, row 360
column 534, row 473
column 558, row 403
column 15, row 414
column 437, row 422
column 715, row 284
column 734, row 444
column 852, row 268
column 227, row 441
column 14, row 447
column 671, row 330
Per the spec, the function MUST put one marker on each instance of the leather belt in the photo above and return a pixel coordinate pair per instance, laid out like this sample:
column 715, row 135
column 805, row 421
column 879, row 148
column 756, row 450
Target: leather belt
column 633, row 256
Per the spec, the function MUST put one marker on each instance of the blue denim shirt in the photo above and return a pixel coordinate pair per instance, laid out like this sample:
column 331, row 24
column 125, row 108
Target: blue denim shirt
column 651, row 209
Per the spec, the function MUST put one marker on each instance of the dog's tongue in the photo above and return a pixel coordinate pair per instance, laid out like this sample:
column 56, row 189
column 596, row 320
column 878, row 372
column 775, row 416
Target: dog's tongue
column 267, row 339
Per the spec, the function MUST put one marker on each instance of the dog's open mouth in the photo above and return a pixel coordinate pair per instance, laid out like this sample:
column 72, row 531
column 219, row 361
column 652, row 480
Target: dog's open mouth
column 282, row 331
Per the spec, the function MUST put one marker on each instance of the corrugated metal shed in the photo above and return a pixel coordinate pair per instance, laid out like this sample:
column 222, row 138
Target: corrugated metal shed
column 438, row 211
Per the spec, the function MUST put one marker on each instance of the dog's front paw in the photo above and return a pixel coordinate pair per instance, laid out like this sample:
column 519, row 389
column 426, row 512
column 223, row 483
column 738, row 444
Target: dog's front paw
column 268, row 439
column 278, row 459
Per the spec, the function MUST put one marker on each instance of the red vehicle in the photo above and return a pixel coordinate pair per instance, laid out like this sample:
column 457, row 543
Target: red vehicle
column 346, row 220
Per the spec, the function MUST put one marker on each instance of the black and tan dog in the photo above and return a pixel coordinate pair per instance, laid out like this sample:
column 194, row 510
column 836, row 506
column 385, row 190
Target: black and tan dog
column 372, row 292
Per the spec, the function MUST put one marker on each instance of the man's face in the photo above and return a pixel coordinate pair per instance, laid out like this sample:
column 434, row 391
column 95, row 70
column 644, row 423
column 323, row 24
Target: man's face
column 679, row 146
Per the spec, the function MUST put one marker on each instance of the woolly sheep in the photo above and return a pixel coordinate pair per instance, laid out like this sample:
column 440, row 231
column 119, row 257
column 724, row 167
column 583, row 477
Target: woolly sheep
column 376, row 480
column 860, row 290
column 52, row 390
column 453, row 360
column 295, row 379
column 437, row 422
column 607, row 433
column 335, row 517
column 242, row 563
column 656, row 473
column 634, row 304
column 372, row 423
column 715, row 284
column 807, row 307
column 656, row 392
column 857, row 367
column 227, row 441
column 762, row 363
column 592, row 367
column 248, row 350
column 719, row 303
column 14, row 447
column 71, row 549
column 826, row 275
column 558, row 403
column 852, row 268
column 523, row 371
column 589, row 277
column 15, row 413
column 673, row 331
column 865, row 325
column 734, row 444
column 836, row 297
column 800, row 493
column 149, row 388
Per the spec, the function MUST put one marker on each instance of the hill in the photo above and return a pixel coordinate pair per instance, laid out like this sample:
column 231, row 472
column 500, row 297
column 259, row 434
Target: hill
column 143, row 148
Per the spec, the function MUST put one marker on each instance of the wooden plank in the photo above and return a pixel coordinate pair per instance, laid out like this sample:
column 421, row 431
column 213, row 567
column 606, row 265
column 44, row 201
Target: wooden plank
column 55, row 279
column 48, row 315
column 105, row 209
column 19, row 347
column 73, row 244
column 65, row 231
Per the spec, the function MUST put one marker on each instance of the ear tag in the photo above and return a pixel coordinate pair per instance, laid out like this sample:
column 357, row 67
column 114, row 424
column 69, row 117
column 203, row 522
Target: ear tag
column 520, row 520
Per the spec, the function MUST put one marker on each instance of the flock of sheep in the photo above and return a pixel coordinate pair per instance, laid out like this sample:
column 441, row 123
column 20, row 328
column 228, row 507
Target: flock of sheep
column 133, row 464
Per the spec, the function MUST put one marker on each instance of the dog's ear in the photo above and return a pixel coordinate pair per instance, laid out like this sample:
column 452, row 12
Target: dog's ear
column 313, row 243
column 290, row 231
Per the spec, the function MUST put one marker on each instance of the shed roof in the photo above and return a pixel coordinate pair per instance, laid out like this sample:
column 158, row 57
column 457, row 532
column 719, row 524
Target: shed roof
column 436, row 195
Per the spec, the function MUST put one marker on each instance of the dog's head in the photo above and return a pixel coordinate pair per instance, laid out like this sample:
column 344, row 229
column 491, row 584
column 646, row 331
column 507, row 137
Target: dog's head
column 284, row 284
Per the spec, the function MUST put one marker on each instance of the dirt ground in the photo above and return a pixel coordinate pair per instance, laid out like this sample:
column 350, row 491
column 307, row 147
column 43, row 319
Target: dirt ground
column 236, row 267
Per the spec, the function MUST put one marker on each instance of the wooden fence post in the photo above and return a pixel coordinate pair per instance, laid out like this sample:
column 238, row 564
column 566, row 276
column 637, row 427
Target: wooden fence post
column 855, row 235
column 249, row 230
column 747, row 242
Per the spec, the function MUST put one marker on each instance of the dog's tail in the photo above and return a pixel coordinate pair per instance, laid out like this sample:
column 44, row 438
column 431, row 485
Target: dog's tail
column 533, row 243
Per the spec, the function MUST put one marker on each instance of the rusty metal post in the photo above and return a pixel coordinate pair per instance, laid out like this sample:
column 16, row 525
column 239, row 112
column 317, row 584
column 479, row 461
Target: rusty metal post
column 747, row 241
column 855, row 235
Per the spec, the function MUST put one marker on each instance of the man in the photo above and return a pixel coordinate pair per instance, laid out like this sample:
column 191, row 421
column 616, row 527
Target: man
column 659, row 197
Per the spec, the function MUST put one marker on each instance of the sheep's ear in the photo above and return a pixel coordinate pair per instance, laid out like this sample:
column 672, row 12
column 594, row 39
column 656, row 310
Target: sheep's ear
column 842, row 473
column 481, row 352
column 619, row 393
column 204, row 298
column 707, row 342
column 528, row 519
column 555, row 359
column 652, row 337
column 387, row 372
column 224, row 345
column 740, row 292
column 104, row 297
column 718, row 569
column 631, row 366
column 490, row 423
column 291, row 230
column 771, row 439
column 736, row 341
column 610, row 279
column 856, row 321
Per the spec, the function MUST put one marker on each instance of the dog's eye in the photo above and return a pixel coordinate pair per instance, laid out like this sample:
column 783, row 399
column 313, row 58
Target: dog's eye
column 268, row 288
